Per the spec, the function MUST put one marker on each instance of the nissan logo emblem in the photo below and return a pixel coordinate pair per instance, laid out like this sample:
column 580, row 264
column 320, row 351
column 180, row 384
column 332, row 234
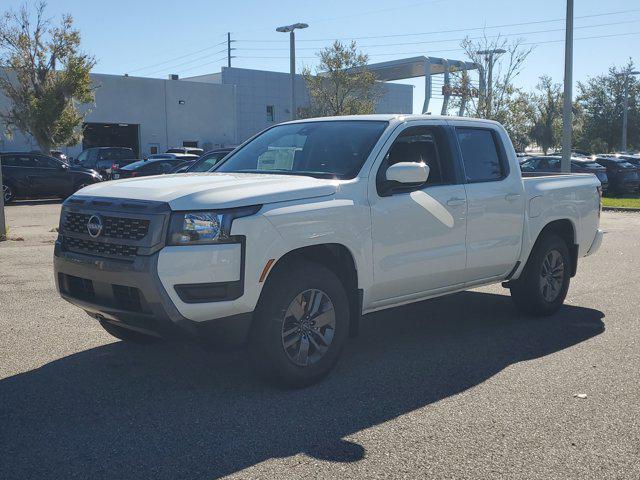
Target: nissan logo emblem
column 94, row 226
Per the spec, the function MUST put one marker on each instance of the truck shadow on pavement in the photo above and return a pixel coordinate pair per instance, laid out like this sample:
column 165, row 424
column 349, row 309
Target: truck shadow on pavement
column 169, row 411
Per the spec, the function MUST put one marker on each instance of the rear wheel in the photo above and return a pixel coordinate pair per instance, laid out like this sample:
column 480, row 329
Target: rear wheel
column 301, row 324
column 543, row 285
column 7, row 194
column 128, row 335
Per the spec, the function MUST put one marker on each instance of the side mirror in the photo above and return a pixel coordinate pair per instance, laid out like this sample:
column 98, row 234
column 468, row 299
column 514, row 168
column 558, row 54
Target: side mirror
column 408, row 173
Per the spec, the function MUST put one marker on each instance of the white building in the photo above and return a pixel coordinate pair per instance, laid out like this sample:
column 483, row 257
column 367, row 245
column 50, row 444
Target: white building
column 220, row 109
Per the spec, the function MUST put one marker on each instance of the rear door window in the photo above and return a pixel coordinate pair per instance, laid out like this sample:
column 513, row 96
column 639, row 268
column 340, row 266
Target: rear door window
column 481, row 158
column 44, row 162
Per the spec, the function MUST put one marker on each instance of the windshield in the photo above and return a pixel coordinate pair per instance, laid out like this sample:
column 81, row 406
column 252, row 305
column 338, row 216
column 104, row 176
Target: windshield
column 207, row 163
column 591, row 165
column 134, row 165
column 625, row 164
column 334, row 149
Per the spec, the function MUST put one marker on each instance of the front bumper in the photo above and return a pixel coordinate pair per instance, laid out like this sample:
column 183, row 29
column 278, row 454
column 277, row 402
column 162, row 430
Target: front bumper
column 131, row 294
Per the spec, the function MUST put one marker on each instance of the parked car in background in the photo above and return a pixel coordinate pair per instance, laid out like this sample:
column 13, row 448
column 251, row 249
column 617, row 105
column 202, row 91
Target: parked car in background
column 209, row 160
column 35, row 175
column 623, row 176
column 106, row 159
column 191, row 150
column 632, row 158
column 183, row 156
column 551, row 163
column 145, row 168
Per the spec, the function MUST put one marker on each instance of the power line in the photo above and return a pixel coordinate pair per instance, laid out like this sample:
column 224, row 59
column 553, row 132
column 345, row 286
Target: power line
column 178, row 58
column 460, row 39
column 204, row 64
column 536, row 22
column 455, row 49
column 189, row 62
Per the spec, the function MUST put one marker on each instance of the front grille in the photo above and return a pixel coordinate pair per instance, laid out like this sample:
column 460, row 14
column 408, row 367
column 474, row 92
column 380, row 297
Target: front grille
column 123, row 228
column 97, row 248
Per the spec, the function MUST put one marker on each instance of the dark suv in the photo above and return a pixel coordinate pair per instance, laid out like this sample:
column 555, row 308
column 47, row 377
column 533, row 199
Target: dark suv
column 623, row 176
column 34, row 175
column 106, row 159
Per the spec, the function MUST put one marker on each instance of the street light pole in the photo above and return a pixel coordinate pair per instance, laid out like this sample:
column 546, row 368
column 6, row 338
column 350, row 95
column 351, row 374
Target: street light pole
column 292, row 60
column 625, row 108
column 488, row 100
column 565, row 163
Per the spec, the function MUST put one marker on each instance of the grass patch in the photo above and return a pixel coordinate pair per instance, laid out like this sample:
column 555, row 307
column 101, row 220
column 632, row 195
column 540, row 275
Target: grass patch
column 621, row 202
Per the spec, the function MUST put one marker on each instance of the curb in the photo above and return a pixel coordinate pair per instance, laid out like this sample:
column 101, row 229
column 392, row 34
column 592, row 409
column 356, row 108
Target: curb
column 620, row 209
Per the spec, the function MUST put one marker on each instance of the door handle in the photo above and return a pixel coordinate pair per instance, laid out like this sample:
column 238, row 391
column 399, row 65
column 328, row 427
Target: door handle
column 456, row 201
column 511, row 197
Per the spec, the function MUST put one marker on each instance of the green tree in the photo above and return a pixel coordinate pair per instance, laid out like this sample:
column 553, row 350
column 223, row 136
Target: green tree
column 342, row 84
column 600, row 101
column 45, row 76
column 546, row 108
column 500, row 99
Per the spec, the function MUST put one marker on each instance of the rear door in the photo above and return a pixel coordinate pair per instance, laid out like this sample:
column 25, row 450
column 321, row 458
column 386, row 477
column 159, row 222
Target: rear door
column 495, row 215
column 15, row 171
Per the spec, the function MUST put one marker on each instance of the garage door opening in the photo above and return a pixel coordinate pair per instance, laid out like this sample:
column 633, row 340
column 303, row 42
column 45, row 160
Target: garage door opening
column 112, row 135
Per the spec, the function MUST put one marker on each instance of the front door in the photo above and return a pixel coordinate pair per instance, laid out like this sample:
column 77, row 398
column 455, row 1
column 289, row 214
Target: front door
column 418, row 234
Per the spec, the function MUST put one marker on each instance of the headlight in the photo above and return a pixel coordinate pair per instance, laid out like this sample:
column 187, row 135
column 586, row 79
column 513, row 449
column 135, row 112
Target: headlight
column 205, row 227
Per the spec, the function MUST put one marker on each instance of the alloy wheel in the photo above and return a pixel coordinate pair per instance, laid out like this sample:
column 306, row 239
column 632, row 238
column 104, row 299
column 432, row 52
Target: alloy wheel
column 308, row 327
column 7, row 194
column 552, row 275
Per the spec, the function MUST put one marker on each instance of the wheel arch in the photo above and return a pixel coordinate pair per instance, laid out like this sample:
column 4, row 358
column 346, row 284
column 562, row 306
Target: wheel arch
column 566, row 230
column 340, row 260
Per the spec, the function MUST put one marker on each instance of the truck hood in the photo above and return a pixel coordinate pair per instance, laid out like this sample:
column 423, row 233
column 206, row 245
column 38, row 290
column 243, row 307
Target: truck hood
column 195, row 191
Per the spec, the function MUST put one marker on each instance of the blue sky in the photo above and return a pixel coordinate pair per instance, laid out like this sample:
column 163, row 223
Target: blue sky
column 146, row 37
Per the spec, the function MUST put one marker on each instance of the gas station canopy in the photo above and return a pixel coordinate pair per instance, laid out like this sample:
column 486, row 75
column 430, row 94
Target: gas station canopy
column 423, row 66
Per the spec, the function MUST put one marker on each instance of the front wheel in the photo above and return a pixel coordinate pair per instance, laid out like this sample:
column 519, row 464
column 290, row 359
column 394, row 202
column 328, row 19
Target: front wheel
column 543, row 285
column 7, row 194
column 301, row 324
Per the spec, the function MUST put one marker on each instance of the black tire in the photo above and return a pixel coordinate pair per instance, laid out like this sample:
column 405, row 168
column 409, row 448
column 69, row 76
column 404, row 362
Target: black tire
column 8, row 194
column 128, row 335
column 298, row 280
column 533, row 292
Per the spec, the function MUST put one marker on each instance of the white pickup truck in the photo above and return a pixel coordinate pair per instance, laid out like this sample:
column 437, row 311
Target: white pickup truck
column 311, row 224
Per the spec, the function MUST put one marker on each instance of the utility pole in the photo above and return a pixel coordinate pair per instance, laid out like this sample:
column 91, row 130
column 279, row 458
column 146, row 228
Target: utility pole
column 229, row 57
column 290, row 29
column 489, row 55
column 625, row 107
column 565, row 163
column 3, row 224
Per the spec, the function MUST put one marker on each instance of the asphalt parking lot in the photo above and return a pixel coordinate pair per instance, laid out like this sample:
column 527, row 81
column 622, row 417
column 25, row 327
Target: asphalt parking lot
column 458, row 387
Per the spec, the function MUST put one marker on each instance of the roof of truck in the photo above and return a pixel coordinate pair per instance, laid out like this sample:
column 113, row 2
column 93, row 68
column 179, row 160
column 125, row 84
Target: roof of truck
column 388, row 117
